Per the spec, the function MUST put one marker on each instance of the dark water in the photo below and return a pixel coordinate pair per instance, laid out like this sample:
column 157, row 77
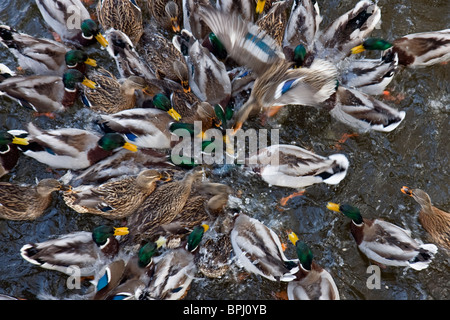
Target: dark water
column 415, row 154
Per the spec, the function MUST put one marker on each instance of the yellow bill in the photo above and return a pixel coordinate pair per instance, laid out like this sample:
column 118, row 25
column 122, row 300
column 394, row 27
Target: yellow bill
column 88, row 83
column 21, row 141
column 333, row 207
column 161, row 242
column 358, row 49
column 101, row 39
column 293, row 238
column 91, row 62
column 121, row 231
column 130, row 146
column 260, row 6
column 175, row 115
column 205, row 227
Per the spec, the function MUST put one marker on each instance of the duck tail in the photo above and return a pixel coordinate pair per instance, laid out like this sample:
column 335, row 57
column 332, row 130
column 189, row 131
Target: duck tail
column 338, row 171
column 424, row 257
column 365, row 113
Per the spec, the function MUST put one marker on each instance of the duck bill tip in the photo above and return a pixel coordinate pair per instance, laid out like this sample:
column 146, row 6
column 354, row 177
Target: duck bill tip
column 21, row 141
column 130, row 147
column 358, row 49
column 101, row 39
column 174, row 114
column 293, row 237
column 89, row 83
column 121, row 231
column 91, row 62
column 333, row 206
column 406, row 190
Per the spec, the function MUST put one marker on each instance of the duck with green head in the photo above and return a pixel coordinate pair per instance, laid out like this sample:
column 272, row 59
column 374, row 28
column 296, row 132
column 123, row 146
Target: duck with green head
column 42, row 56
column 175, row 269
column 45, row 94
column 77, row 59
column 208, row 77
column 162, row 102
column 300, row 33
column 72, row 148
column 83, row 249
column 258, row 248
column 413, row 50
column 71, row 21
column 385, row 243
column 153, row 127
column 125, row 279
column 312, row 282
column 9, row 154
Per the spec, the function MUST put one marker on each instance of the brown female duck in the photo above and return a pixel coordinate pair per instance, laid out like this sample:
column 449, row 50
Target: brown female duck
column 26, row 202
column 435, row 221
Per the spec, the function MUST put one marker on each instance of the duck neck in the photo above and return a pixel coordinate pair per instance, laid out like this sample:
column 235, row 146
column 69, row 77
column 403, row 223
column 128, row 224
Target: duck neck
column 357, row 231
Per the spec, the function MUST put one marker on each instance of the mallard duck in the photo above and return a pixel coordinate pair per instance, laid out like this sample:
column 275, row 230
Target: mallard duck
column 9, row 154
column 435, row 221
column 43, row 56
column 111, row 95
column 363, row 112
column 71, row 148
column 312, row 281
column 45, row 94
column 384, row 242
column 122, row 162
column 163, row 58
column 258, row 249
column 163, row 102
column 214, row 256
column 128, row 61
column 115, row 199
column 152, row 127
column 414, row 50
column 71, row 20
column 275, row 20
column 337, row 40
column 126, row 279
column 294, row 167
column 192, row 21
column 26, row 202
column 175, row 269
column 301, row 32
column 125, row 16
column 208, row 77
column 144, row 127
column 277, row 84
column 177, row 206
column 82, row 249
column 167, row 14
column 370, row 76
